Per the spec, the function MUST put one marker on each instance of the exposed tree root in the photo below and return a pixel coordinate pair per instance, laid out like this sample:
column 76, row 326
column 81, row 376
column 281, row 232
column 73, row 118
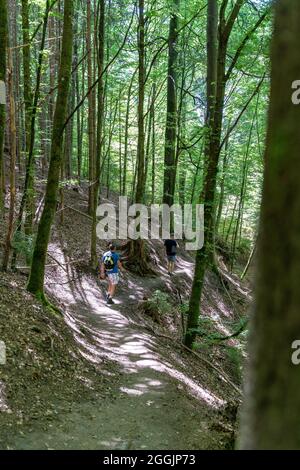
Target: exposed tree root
column 136, row 259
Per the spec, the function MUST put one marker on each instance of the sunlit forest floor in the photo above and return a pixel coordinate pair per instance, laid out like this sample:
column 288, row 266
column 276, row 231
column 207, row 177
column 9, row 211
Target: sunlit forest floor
column 116, row 377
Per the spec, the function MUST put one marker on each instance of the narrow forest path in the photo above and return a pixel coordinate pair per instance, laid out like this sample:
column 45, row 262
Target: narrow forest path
column 153, row 401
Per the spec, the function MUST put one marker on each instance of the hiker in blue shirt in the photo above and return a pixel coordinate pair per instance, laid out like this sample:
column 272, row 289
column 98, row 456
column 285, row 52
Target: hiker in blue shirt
column 110, row 266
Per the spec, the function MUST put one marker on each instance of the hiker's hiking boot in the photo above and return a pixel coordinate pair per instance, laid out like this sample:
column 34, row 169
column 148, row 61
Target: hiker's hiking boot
column 110, row 301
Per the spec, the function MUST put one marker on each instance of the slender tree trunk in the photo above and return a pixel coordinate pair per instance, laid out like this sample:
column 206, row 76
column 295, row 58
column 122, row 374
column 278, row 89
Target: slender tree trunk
column 52, row 65
column 27, row 197
column 140, row 189
column 13, row 155
column 91, row 111
column 204, row 256
column 272, row 403
column 171, row 125
column 231, row 219
column 37, row 273
column 222, row 183
column 27, row 91
column 108, row 153
column 136, row 257
column 124, row 188
column 3, row 48
column 250, row 259
column 149, row 134
column 96, row 185
column 17, row 83
column 153, row 145
column 79, row 132
column 120, row 141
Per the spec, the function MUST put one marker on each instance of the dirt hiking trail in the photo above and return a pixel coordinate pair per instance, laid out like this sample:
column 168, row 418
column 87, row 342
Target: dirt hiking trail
column 154, row 401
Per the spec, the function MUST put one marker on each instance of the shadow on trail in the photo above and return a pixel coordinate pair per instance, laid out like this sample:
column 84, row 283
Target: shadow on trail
column 152, row 392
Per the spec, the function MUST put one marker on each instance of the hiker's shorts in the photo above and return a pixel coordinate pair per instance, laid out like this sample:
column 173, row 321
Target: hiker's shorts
column 172, row 258
column 113, row 278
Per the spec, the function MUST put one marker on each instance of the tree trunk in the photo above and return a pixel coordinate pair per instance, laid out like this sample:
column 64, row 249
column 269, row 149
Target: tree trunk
column 27, row 91
column 272, row 404
column 13, row 154
column 153, row 145
column 99, row 148
column 27, row 197
column 126, row 131
column 3, row 48
column 136, row 257
column 214, row 118
column 37, row 273
column 222, row 183
column 140, row 187
column 91, row 110
column 171, row 125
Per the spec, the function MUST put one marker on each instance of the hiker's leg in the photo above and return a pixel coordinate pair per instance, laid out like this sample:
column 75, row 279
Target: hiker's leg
column 169, row 266
column 113, row 290
column 109, row 287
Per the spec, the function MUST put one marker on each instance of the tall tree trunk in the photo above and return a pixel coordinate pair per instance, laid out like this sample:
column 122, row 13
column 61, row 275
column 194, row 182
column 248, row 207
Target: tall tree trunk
column 91, row 110
column 52, row 65
column 99, row 143
column 126, row 131
column 13, row 154
column 27, row 91
column 136, row 257
column 3, row 48
column 271, row 417
column 149, row 132
column 171, row 125
column 153, row 145
column 37, row 273
column 140, row 187
column 204, row 256
column 27, row 200
column 27, row 197
column 79, row 130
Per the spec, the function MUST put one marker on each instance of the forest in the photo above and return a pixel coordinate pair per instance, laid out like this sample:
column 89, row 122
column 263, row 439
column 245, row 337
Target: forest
column 131, row 342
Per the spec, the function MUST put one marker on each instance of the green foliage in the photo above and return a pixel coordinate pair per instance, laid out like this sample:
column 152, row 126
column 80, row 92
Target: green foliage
column 23, row 244
column 159, row 302
column 234, row 356
column 206, row 330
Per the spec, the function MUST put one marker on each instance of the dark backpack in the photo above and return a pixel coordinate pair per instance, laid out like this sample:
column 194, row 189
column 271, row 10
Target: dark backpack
column 108, row 262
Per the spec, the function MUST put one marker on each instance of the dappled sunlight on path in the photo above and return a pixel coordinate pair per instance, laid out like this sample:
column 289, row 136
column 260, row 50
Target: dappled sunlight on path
column 151, row 391
column 117, row 338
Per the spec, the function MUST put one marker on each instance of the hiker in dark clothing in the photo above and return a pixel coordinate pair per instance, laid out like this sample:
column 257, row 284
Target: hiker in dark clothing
column 110, row 266
column 171, row 250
